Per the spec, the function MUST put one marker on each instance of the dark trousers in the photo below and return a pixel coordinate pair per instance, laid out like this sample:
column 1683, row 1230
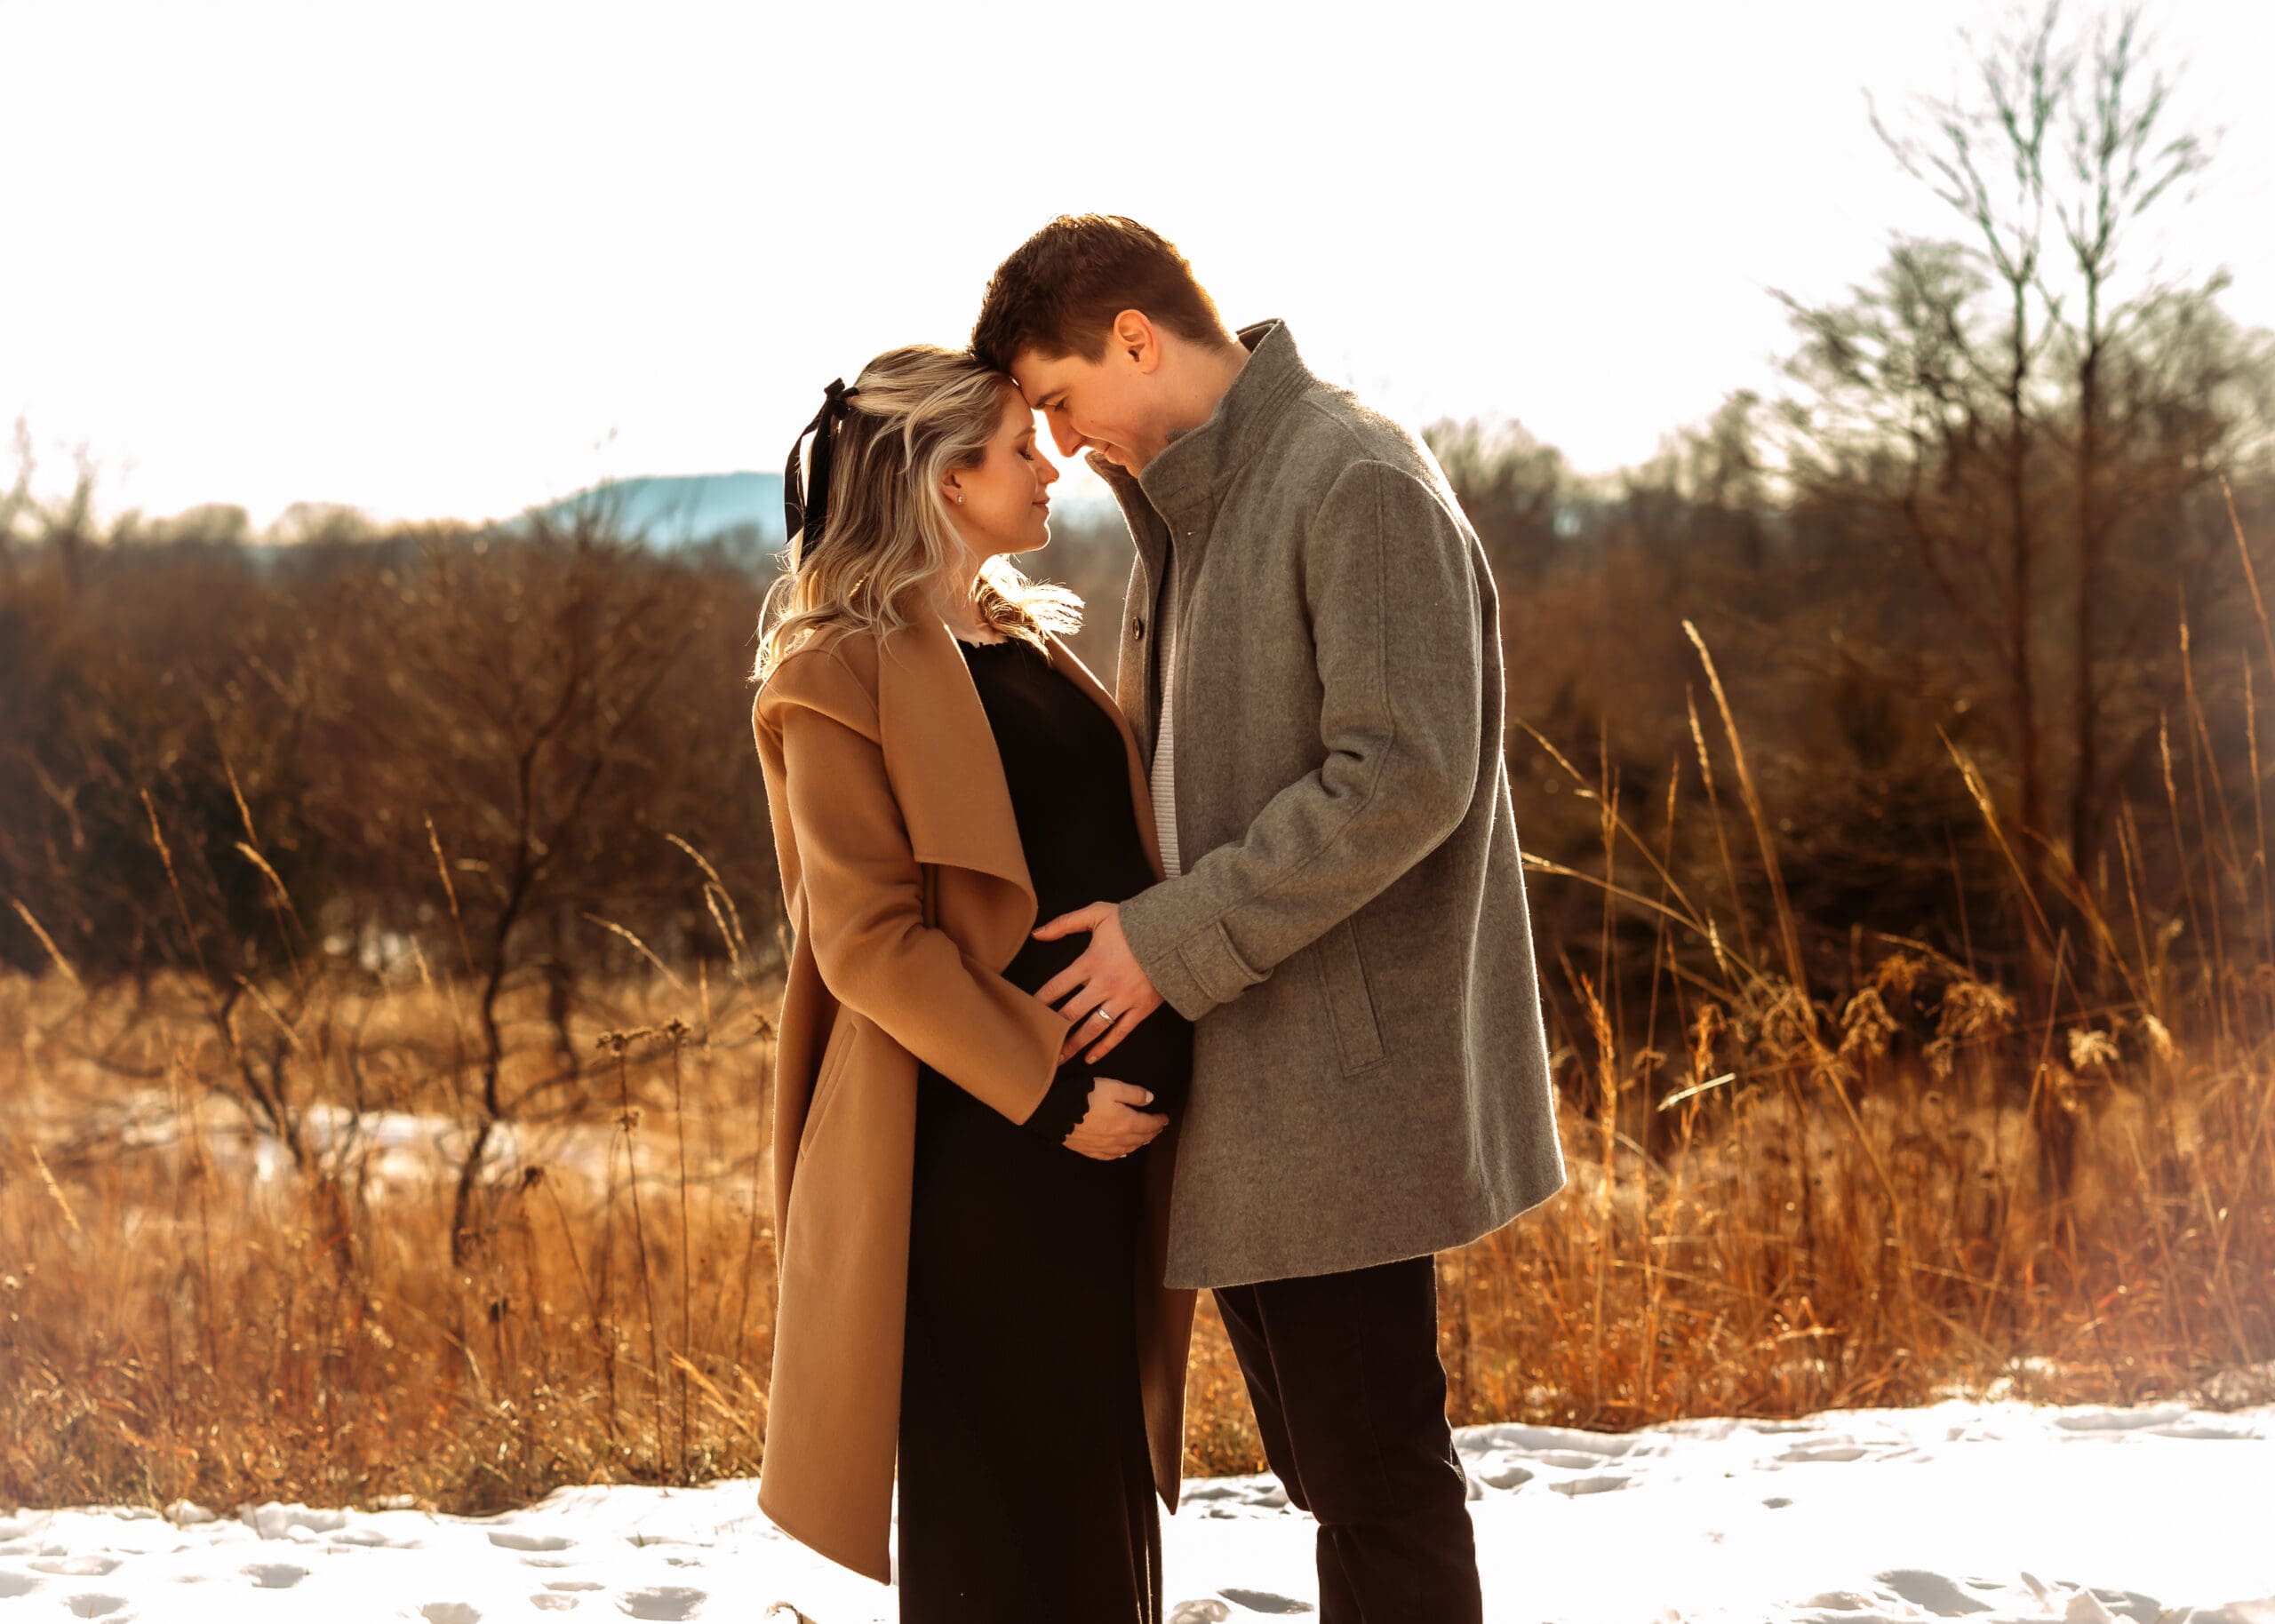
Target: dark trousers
column 1351, row 1400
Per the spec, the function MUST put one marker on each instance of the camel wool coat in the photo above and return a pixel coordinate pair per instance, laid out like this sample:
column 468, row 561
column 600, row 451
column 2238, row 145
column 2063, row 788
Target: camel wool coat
column 907, row 893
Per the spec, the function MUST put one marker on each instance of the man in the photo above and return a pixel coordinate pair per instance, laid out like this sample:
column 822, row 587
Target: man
column 1309, row 658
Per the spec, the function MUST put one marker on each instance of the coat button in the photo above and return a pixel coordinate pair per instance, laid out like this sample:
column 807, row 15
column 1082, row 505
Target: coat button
column 1137, row 630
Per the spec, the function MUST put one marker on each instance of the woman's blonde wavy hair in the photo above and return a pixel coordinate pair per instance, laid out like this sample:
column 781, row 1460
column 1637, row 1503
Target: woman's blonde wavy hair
column 921, row 412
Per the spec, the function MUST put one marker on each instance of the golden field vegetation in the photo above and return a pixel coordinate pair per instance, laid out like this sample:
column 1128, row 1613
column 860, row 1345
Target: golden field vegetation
column 354, row 1235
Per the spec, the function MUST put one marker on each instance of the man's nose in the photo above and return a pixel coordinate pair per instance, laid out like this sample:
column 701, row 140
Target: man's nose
column 1062, row 436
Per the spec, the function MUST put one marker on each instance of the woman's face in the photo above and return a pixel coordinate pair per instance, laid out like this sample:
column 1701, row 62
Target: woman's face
column 1006, row 499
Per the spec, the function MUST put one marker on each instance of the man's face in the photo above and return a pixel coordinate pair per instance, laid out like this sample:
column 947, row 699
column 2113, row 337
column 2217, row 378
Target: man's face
column 1101, row 405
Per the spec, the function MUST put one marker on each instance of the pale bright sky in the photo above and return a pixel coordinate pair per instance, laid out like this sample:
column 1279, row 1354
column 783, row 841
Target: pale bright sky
column 453, row 258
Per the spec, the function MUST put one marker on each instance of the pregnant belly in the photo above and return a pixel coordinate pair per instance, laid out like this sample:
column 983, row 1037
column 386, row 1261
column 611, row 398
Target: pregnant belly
column 1157, row 1054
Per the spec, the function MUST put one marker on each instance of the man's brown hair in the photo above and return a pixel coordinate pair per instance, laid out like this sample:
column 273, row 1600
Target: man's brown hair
column 1061, row 289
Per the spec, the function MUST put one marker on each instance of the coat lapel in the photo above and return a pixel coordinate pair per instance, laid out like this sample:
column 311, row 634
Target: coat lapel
column 948, row 778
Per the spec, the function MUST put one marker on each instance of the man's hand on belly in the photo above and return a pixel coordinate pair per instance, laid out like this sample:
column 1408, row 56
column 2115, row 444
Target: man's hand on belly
column 1105, row 978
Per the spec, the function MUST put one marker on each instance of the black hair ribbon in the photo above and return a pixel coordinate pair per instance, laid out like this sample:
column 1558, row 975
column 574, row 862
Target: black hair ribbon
column 809, row 512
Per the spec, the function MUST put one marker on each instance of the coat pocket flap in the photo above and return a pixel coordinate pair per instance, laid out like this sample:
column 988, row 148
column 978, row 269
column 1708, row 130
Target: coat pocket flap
column 1350, row 1005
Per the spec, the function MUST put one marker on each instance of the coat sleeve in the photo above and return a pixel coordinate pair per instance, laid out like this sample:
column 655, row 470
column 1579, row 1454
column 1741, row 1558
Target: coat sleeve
column 863, row 898
column 1395, row 624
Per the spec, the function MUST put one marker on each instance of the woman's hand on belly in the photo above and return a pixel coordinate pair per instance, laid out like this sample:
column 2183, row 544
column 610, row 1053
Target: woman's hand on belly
column 1115, row 1124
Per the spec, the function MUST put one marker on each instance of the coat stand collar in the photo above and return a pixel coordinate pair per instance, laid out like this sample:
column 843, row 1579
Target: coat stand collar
column 1180, row 485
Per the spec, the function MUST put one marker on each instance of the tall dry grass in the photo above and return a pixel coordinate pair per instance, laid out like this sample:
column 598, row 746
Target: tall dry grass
column 190, row 1308
column 226, row 1275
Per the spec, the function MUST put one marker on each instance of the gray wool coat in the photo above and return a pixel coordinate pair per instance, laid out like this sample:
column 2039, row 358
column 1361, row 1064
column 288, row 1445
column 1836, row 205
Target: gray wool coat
column 1349, row 934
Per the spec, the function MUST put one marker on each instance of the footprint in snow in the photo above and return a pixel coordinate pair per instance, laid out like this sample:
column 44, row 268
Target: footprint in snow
column 272, row 1520
column 275, row 1575
column 507, row 1538
column 1931, row 1591
column 663, row 1602
column 1838, row 1601
column 1538, row 1440
column 93, row 1566
column 2100, row 1602
column 451, row 1613
column 369, row 1536
column 91, row 1606
column 1603, row 1483
column 1826, row 1452
column 2121, row 1421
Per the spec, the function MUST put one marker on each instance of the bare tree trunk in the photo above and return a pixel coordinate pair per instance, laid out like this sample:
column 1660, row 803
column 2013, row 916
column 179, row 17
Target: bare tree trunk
column 1987, row 163
column 2084, row 696
column 2111, row 151
column 2022, row 644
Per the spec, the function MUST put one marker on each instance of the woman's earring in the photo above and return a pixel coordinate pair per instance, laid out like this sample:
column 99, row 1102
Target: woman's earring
column 959, row 498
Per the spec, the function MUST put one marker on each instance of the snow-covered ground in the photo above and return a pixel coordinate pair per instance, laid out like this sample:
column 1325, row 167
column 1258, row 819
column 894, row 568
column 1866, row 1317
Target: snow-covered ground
column 1986, row 1511
column 392, row 1151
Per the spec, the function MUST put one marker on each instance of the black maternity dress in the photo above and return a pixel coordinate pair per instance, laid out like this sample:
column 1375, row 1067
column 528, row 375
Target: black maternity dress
column 1026, row 1487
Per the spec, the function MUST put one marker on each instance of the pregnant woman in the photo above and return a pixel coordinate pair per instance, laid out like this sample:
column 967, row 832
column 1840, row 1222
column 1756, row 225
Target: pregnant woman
column 971, row 1233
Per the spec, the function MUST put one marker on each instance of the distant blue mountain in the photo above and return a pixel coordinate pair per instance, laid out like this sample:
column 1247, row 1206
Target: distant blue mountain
column 681, row 510
column 686, row 510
